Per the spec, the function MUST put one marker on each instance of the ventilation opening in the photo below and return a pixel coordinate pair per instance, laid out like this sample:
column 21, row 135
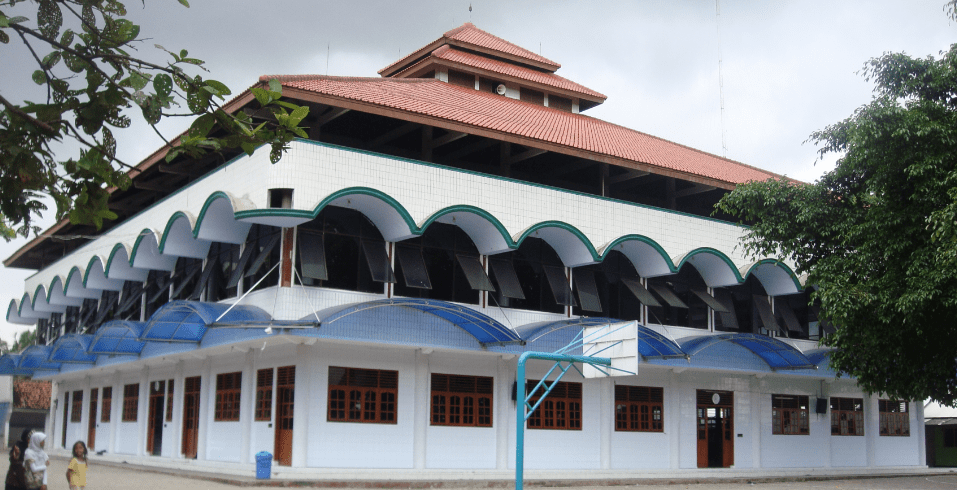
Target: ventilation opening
column 462, row 79
column 280, row 198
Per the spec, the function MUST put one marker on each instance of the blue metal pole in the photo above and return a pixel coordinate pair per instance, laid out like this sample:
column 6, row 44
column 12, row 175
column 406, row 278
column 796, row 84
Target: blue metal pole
column 522, row 403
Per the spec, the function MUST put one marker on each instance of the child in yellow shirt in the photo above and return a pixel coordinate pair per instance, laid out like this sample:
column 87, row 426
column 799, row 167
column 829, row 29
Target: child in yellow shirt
column 76, row 471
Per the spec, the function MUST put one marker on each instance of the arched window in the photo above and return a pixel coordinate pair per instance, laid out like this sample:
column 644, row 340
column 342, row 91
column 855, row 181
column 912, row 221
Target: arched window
column 531, row 278
column 613, row 282
column 342, row 249
column 751, row 308
column 438, row 256
column 796, row 314
column 680, row 299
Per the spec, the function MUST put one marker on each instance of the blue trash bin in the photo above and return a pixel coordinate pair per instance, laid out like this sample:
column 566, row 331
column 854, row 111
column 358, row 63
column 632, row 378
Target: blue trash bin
column 263, row 465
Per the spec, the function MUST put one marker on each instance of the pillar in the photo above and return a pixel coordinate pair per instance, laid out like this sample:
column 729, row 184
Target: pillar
column 420, row 421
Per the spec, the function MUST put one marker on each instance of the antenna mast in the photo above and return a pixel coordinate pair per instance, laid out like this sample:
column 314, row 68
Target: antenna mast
column 717, row 18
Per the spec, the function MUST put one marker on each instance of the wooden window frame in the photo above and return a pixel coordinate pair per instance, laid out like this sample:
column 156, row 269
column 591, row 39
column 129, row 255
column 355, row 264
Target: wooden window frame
column 894, row 418
column 229, row 388
column 131, row 402
column 264, row 380
column 639, row 408
column 788, row 418
column 106, row 403
column 461, row 401
column 561, row 409
column 368, row 402
column 76, row 409
column 844, row 415
column 169, row 400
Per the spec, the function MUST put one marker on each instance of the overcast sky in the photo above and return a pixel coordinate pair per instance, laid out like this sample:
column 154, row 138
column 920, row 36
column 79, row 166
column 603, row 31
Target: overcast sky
column 788, row 67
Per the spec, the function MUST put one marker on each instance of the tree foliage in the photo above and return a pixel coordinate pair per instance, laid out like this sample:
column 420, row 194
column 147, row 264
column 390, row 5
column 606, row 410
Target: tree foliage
column 86, row 60
column 877, row 236
column 24, row 340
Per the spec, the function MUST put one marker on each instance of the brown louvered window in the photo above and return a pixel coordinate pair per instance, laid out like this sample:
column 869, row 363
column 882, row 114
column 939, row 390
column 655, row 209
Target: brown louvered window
column 131, row 402
column 560, row 103
column 228, row 392
column 639, row 409
column 107, row 404
column 363, row 395
column 560, row 410
column 77, row 410
column 264, row 394
column 169, row 401
column 462, row 79
column 464, row 401
column 847, row 416
column 894, row 418
column 532, row 96
column 286, row 376
column 789, row 415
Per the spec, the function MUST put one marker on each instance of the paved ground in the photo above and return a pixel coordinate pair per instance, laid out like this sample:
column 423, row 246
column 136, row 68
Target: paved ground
column 134, row 478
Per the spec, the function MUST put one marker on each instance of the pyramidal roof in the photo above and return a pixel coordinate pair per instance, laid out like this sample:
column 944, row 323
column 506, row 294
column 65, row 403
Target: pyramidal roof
column 469, row 37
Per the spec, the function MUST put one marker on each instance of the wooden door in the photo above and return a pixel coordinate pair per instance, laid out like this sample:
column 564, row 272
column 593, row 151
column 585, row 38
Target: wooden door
column 191, row 416
column 154, row 431
column 91, row 430
column 715, row 428
column 285, row 398
column 66, row 408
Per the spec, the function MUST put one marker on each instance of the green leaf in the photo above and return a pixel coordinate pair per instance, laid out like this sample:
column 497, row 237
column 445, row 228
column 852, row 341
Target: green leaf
column 202, row 125
column 50, row 60
column 4, row 38
column 197, row 101
column 109, row 142
column 152, row 111
column 49, row 18
column 67, row 38
column 298, row 115
column 221, row 88
column 17, row 20
column 88, row 19
column 39, row 77
column 163, row 84
column 262, row 96
column 185, row 3
column 275, row 86
column 74, row 63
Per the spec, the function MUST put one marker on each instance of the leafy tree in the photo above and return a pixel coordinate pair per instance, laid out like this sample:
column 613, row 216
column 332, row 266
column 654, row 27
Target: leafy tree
column 24, row 340
column 82, row 52
column 878, row 235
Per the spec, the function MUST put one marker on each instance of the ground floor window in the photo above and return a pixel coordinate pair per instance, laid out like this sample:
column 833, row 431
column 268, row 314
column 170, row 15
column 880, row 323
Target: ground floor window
column 895, row 419
column 228, row 393
column 789, row 414
column 363, row 395
column 131, row 402
column 461, row 400
column 77, row 410
column 847, row 416
column 107, row 404
column 560, row 410
column 264, row 394
column 639, row 408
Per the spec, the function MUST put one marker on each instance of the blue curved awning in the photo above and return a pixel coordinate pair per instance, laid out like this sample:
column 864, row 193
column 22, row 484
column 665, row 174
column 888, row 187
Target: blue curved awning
column 187, row 321
column 38, row 357
column 118, row 337
column 819, row 357
column 73, row 348
column 777, row 354
column 9, row 365
column 484, row 328
column 651, row 344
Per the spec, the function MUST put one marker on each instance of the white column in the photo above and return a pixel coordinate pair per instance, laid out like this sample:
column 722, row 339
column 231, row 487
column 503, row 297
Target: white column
column 917, row 421
column 207, row 397
column 50, row 425
column 302, row 403
column 606, row 419
column 247, row 405
column 504, row 418
column 673, row 413
column 176, row 425
column 117, row 395
column 871, row 428
column 420, row 421
column 757, row 416
column 143, row 410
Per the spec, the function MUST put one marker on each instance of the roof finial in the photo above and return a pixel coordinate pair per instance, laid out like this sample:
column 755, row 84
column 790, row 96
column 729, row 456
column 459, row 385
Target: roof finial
column 470, row 11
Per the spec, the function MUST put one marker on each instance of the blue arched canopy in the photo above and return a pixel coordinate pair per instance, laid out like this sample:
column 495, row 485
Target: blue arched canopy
column 651, row 344
column 37, row 357
column 187, row 321
column 73, row 348
column 777, row 354
column 9, row 365
column 486, row 330
column 118, row 337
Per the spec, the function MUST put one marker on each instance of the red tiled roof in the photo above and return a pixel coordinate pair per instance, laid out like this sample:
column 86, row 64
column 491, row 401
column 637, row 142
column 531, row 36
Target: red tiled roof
column 512, row 70
column 468, row 34
column 31, row 394
column 489, row 111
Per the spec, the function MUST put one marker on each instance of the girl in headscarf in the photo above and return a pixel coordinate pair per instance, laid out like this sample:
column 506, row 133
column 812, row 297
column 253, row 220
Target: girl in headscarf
column 35, row 462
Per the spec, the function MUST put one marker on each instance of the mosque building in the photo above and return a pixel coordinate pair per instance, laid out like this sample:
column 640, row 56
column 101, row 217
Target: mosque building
column 363, row 302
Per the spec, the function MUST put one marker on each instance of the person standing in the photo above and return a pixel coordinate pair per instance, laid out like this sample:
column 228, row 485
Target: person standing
column 15, row 473
column 76, row 471
column 35, row 462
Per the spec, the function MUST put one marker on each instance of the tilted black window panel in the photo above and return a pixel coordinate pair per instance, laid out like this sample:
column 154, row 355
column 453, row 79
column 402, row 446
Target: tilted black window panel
column 472, row 267
column 413, row 267
column 271, row 244
column 105, row 310
column 378, row 261
column 728, row 319
column 312, row 255
column 709, row 300
column 237, row 273
column 682, row 307
column 559, row 284
column 204, row 279
column 506, row 278
column 87, row 313
column 71, row 319
column 587, row 289
column 668, row 296
column 643, row 295
column 130, row 301
column 764, row 312
column 185, row 275
column 783, row 311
